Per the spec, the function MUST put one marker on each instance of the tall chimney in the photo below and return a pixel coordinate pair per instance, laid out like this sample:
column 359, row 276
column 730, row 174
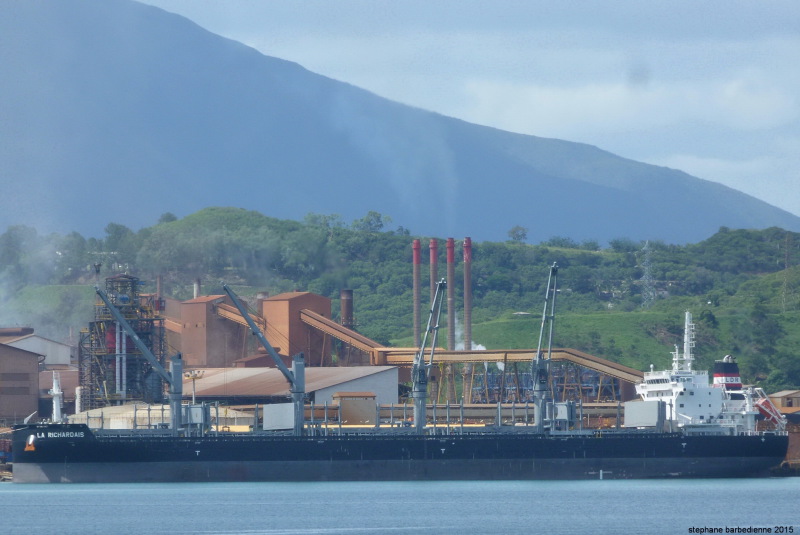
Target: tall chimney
column 415, row 246
column 196, row 288
column 451, row 294
column 346, row 298
column 434, row 252
column 467, row 294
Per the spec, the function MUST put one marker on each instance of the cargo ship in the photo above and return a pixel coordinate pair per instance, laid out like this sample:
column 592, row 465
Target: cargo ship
column 684, row 426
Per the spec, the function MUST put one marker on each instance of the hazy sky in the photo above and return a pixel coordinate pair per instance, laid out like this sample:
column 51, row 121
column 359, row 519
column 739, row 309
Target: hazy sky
column 712, row 87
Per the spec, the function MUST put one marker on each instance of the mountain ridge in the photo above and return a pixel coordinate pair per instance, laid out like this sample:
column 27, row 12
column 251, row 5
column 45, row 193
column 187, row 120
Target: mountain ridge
column 119, row 111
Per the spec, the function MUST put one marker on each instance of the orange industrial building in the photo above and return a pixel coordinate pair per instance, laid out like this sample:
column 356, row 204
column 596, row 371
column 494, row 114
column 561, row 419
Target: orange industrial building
column 210, row 332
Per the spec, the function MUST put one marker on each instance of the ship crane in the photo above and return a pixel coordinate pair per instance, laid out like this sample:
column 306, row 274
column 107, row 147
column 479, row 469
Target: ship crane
column 296, row 378
column 420, row 371
column 174, row 378
column 541, row 364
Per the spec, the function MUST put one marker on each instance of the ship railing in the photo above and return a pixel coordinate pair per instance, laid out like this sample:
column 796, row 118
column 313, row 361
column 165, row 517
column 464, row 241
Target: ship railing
column 727, row 421
column 657, row 375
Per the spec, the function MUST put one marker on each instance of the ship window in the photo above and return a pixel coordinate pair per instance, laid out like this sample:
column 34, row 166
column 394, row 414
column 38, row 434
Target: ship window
column 690, row 393
column 681, row 394
column 681, row 405
column 701, row 416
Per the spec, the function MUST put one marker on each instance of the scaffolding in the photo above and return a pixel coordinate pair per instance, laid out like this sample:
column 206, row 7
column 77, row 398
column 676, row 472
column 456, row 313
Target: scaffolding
column 112, row 370
column 568, row 382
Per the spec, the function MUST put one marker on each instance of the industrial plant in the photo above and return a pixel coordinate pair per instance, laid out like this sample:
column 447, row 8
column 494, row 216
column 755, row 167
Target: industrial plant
column 223, row 362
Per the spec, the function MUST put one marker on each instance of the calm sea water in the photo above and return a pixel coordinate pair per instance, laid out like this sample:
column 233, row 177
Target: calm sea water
column 619, row 507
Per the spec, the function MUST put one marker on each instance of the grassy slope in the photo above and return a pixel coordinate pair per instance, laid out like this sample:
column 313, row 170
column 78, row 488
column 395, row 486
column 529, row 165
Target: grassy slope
column 635, row 339
column 621, row 337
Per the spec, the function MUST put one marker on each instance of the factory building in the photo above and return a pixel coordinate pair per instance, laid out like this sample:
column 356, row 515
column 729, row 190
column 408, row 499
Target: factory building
column 211, row 333
column 56, row 355
column 204, row 336
column 51, row 356
column 19, row 384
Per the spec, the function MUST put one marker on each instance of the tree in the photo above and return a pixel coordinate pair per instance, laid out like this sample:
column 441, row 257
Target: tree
column 518, row 234
column 121, row 242
column 325, row 221
column 561, row 241
column 72, row 255
column 372, row 222
column 624, row 245
column 167, row 217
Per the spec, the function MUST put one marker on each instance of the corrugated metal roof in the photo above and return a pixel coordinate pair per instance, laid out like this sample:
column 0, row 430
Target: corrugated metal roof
column 15, row 331
column 9, row 336
column 266, row 382
column 205, row 299
column 784, row 393
column 286, row 296
column 14, row 338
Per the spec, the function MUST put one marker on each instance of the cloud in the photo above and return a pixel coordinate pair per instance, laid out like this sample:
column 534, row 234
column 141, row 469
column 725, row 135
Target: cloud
column 771, row 177
column 593, row 109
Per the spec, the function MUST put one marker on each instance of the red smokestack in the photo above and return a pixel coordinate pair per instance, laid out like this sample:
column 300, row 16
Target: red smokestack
column 468, row 294
column 415, row 246
column 451, row 296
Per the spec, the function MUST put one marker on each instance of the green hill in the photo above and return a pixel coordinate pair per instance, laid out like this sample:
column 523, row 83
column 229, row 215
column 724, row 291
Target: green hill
column 624, row 303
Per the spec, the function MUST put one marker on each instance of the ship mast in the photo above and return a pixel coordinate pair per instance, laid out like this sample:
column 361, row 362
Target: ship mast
column 684, row 362
column 688, row 342
column 540, row 367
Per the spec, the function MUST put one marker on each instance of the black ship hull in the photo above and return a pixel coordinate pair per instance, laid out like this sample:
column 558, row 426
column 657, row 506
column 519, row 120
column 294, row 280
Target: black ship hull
column 73, row 454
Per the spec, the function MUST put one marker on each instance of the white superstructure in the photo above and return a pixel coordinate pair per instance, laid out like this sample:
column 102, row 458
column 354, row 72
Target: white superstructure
column 696, row 405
